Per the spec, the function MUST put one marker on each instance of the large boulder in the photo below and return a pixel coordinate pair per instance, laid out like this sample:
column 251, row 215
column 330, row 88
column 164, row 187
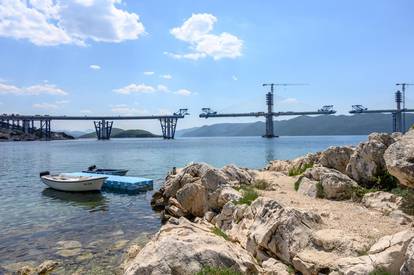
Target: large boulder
column 408, row 266
column 334, row 185
column 387, row 254
column 199, row 188
column 399, row 159
column 336, row 157
column 382, row 201
column 267, row 226
column 183, row 247
column 367, row 161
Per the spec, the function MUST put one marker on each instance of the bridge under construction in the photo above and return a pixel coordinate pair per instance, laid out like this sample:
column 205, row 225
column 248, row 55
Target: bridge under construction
column 398, row 114
column 269, row 114
column 103, row 124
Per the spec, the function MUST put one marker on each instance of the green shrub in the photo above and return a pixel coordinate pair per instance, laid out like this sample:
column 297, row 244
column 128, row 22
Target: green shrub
column 249, row 195
column 209, row 270
column 358, row 192
column 290, row 270
column 385, row 181
column 407, row 203
column 379, row 271
column 320, row 193
column 297, row 183
column 261, row 184
column 295, row 171
column 220, row 233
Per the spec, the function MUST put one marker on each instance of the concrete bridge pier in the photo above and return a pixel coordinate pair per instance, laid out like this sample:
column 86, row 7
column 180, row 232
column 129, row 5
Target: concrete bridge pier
column 103, row 129
column 168, row 126
column 44, row 129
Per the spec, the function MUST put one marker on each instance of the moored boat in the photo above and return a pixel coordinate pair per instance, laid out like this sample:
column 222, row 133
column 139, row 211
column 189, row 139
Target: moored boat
column 114, row 172
column 72, row 183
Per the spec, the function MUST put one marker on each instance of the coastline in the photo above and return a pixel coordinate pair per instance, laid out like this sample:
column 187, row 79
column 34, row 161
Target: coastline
column 322, row 213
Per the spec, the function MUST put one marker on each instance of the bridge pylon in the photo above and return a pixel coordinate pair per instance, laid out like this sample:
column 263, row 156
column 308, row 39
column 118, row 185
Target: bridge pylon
column 103, row 129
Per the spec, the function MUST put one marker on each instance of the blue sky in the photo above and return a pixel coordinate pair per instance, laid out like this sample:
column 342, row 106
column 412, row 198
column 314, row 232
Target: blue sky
column 149, row 57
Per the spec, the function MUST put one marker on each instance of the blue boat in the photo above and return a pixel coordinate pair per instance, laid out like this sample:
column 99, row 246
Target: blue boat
column 115, row 172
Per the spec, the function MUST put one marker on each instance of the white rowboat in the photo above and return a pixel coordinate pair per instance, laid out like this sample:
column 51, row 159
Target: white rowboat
column 73, row 183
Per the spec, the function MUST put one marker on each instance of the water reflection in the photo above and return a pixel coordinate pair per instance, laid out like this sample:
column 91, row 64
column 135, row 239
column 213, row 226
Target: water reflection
column 91, row 201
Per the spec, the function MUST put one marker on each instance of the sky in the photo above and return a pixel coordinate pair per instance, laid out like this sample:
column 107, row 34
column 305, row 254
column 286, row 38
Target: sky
column 133, row 57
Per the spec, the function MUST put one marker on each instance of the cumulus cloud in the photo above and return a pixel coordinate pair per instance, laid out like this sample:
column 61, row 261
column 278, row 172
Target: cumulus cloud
column 95, row 67
column 234, row 77
column 166, row 76
column 46, row 106
column 197, row 32
column 163, row 88
column 289, row 100
column 38, row 89
column 55, row 22
column 148, row 73
column 85, row 111
column 126, row 110
column 135, row 89
column 183, row 92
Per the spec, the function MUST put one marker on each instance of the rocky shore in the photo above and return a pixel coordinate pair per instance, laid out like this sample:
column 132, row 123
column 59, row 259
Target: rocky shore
column 346, row 210
column 18, row 135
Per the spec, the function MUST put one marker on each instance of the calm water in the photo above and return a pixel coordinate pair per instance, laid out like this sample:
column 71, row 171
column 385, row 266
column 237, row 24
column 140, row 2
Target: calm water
column 33, row 219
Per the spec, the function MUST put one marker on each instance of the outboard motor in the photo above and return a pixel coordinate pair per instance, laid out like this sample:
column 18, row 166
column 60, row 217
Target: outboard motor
column 92, row 167
column 44, row 173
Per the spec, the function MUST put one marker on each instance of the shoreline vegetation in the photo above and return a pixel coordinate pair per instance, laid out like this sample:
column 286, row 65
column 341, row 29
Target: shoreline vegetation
column 18, row 135
column 346, row 210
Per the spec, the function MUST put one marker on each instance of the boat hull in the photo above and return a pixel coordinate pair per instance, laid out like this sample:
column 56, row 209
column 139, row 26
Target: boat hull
column 93, row 184
column 114, row 172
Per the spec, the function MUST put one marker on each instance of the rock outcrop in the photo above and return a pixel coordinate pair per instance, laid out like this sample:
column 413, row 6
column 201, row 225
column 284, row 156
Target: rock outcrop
column 399, row 159
column 199, row 188
column 336, row 157
column 183, row 247
column 367, row 161
column 333, row 184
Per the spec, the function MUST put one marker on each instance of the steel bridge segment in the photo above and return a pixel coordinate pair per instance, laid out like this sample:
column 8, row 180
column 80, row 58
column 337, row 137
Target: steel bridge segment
column 103, row 127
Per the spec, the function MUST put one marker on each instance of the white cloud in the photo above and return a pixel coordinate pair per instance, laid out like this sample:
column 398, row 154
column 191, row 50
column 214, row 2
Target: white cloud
column 289, row 100
column 234, row 78
column 46, row 106
column 61, row 102
column 166, row 76
column 197, row 32
column 163, row 88
column 32, row 90
column 148, row 73
column 125, row 110
column 183, row 92
column 135, row 89
column 85, row 111
column 55, row 22
column 95, row 67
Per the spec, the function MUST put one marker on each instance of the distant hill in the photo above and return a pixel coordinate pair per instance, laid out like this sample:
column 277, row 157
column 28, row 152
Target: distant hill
column 120, row 133
column 74, row 134
column 361, row 124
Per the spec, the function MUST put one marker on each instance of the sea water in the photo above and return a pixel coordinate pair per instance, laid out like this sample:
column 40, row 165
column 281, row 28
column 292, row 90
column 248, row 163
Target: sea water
column 90, row 232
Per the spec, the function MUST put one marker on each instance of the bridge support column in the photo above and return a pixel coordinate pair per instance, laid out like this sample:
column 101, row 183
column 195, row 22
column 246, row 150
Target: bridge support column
column 45, row 131
column 269, row 115
column 168, row 126
column 103, row 129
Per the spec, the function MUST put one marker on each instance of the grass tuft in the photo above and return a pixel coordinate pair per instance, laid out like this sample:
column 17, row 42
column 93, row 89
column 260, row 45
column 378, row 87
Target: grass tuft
column 220, row 233
column 297, row 183
column 385, row 181
column 296, row 171
column 320, row 193
column 249, row 195
column 209, row 270
column 407, row 204
column 261, row 184
column 358, row 192
column 379, row 271
column 290, row 270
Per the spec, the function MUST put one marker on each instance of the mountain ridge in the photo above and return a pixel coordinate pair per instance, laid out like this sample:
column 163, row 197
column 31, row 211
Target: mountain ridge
column 361, row 124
